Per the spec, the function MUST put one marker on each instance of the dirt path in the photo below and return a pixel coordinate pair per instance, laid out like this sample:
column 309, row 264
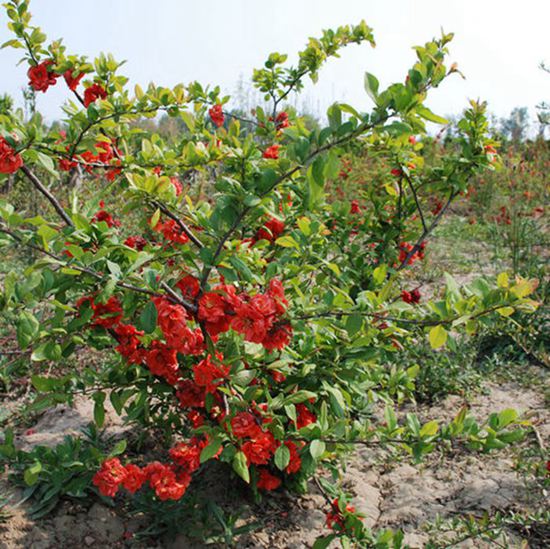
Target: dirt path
column 395, row 495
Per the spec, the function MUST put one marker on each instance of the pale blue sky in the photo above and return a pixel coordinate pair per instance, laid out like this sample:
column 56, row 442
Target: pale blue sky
column 498, row 44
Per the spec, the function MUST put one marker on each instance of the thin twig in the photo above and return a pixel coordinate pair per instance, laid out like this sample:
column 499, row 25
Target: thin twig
column 51, row 198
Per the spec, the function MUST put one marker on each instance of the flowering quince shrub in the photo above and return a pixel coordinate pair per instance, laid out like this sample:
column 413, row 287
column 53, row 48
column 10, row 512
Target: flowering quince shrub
column 241, row 320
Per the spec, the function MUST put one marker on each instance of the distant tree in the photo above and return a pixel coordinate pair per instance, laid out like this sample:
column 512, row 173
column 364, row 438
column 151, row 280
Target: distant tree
column 543, row 109
column 516, row 125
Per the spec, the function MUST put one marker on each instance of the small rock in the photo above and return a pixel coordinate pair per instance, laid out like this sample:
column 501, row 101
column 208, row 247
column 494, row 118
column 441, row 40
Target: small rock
column 89, row 540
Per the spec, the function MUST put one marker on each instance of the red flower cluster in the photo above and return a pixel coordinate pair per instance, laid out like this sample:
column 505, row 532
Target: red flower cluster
column 405, row 248
column 355, row 208
column 257, row 317
column 106, row 314
column 210, row 372
column 106, row 217
column 304, row 416
column 129, row 343
column 172, row 320
column 216, row 115
column 260, row 444
column 169, row 481
column 93, row 93
column 503, row 218
column 136, row 242
column 271, row 230
column 266, row 480
column 411, row 297
column 336, row 518
column 171, row 231
column 105, row 154
column 272, row 152
column 346, row 169
column 110, row 477
column 40, row 78
column 176, row 183
column 10, row 161
column 281, row 120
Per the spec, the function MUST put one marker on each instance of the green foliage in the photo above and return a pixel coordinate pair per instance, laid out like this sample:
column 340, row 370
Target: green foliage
column 255, row 292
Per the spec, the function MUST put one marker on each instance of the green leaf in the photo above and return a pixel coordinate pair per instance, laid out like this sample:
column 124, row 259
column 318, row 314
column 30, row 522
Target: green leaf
column 317, row 449
column 323, row 542
column 427, row 114
column 282, row 457
column 119, row 448
column 148, row 318
column 208, row 452
column 240, row 467
column 371, row 86
column 287, row 242
column 429, row 429
column 437, row 336
column 379, row 274
column 31, row 474
column 27, row 329
column 354, row 323
column 506, row 417
column 99, row 408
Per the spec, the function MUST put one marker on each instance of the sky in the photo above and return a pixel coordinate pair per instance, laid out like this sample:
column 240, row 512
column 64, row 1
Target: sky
column 498, row 45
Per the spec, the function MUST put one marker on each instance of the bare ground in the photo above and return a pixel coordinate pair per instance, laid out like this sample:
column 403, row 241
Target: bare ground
column 390, row 492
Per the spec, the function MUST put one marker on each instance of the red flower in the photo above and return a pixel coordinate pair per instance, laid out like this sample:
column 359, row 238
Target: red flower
column 40, row 78
column 172, row 320
column 396, row 172
column 278, row 336
column 267, row 481
column 411, row 297
column 66, row 165
column 165, row 484
column 216, row 115
column 171, row 231
column 244, row 425
column 187, row 455
column 272, row 152
column 106, row 217
column 271, row 230
column 251, row 322
column 162, row 361
column 196, row 418
column 10, row 161
column 277, row 293
column 260, row 449
column 209, row 374
column 136, row 242
column 412, row 139
column 129, row 342
column 109, row 477
column 304, row 416
column 189, row 287
column 281, row 121
column 295, row 462
column 72, row 81
column 92, row 93
column 176, row 183
column 106, row 314
column 134, row 478
column 190, row 395
column 355, row 208
column 214, row 311
column 335, row 517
